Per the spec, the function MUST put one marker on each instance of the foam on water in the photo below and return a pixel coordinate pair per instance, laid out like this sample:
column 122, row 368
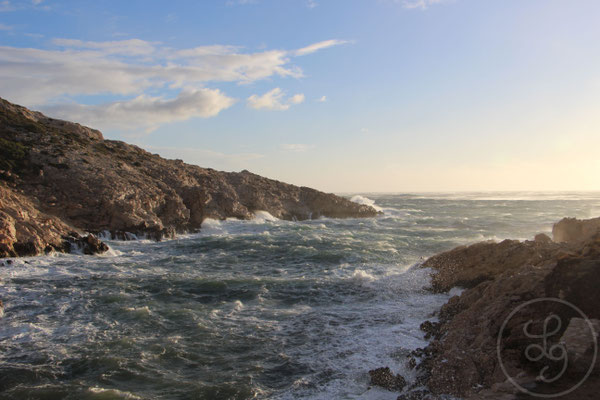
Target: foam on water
column 246, row 309
column 365, row 201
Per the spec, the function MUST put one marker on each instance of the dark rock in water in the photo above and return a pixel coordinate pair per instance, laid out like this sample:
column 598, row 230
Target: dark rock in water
column 59, row 177
column 430, row 328
column 383, row 377
column 92, row 245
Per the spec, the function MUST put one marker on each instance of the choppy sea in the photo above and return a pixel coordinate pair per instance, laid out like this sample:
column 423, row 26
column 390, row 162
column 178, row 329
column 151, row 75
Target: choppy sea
column 249, row 309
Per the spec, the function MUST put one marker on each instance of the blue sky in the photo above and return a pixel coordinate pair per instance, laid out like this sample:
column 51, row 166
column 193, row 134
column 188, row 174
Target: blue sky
column 344, row 96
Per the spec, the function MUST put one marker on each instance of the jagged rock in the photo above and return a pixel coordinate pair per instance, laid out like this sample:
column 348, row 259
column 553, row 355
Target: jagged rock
column 462, row 360
column 430, row 328
column 383, row 377
column 26, row 231
column 70, row 175
column 92, row 245
column 468, row 266
column 574, row 230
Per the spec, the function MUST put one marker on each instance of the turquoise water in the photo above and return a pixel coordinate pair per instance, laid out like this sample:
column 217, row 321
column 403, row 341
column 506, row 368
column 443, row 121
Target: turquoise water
column 249, row 309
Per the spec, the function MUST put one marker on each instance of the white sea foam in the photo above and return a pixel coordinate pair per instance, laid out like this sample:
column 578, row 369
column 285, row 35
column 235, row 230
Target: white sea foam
column 329, row 299
column 365, row 201
column 101, row 393
column 264, row 216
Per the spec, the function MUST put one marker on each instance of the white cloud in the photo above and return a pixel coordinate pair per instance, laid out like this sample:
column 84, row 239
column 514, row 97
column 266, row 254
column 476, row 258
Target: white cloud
column 5, row 27
column 138, row 69
column 297, row 99
column 322, row 99
column 312, row 4
column 129, row 67
column 296, row 147
column 145, row 113
column 422, row 4
column 274, row 100
column 319, row 46
column 37, row 2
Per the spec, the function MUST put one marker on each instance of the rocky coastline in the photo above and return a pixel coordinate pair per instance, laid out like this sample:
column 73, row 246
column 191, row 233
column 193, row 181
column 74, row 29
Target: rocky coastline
column 61, row 184
column 504, row 287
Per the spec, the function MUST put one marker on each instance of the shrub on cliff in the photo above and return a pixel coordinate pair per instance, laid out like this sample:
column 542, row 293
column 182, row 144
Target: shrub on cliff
column 12, row 155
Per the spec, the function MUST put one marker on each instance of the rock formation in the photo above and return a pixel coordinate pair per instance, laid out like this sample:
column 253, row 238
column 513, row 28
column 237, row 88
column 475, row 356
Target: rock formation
column 462, row 359
column 59, row 178
column 572, row 230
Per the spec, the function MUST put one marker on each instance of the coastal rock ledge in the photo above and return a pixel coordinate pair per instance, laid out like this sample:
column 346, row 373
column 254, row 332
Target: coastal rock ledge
column 480, row 327
column 59, row 179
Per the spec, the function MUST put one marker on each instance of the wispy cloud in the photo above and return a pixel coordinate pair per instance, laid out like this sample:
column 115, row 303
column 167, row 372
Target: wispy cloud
column 319, row 46
column 421, row 4
column 5, row 27
column 274, row 100
column 296, row 147
column 311, row 4
column 145, row 113
column 322, row 99
column 129, row 67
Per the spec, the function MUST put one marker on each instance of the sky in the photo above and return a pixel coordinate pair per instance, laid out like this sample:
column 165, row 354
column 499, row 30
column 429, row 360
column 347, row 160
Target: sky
column 340, row 95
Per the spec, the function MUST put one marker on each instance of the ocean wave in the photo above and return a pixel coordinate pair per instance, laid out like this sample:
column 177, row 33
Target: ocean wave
column 365, row 201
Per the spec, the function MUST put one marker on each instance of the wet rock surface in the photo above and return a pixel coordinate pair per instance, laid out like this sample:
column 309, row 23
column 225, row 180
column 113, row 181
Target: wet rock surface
column 67, row 177
column 383, row 377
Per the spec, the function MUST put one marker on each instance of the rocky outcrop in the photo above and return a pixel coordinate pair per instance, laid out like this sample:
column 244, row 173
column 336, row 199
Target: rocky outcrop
column 468, row 266
column 462, row 359
column 573, row 230
column 26, row 231
column 73, row 180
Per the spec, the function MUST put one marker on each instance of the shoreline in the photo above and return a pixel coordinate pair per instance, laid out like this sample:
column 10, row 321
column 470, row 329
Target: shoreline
column 59, row 179
column 477, row 346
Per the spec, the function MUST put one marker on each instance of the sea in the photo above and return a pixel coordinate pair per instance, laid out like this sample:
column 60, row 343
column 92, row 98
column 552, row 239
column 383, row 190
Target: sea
column 258, row 309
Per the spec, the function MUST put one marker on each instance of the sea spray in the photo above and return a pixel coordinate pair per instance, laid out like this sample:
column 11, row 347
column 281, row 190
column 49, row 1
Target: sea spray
column 247, row 309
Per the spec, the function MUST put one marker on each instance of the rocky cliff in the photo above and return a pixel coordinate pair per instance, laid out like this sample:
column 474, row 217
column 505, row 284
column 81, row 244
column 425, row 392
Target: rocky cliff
column 479, row 328
column 59, row 179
